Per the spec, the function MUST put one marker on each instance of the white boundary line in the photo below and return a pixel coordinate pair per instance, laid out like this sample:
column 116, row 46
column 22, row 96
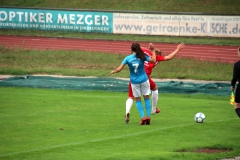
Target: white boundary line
column 104, row 139
column 61, row 95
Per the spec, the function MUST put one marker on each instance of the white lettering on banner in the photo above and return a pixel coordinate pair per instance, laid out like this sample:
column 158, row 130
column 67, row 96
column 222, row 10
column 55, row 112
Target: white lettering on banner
column 41, row 18
column 14, row 25
column 4, row 14
column 81, row 19
column 62, row 19
column 33, row 25
column 72, row 18
column 11, row 15
column 26, row 17
column 86, row 20
column 105, row 20
column 47, row 26
column 88, row 28
column 33, row 17
column 97, row 20
column 49, row 18
column 20, row 16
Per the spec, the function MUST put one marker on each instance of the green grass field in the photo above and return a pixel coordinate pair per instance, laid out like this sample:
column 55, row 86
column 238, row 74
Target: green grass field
column 49, row 124
column 82, row 63
column 67, row 124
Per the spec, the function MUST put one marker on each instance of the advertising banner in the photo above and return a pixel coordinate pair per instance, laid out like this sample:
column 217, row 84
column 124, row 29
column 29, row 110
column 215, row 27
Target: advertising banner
column 121, row 23
column 176, row 25
column 100, row 22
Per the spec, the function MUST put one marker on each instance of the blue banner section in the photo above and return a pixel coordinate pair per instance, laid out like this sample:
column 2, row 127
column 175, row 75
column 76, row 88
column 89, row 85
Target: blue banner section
column 81, row 21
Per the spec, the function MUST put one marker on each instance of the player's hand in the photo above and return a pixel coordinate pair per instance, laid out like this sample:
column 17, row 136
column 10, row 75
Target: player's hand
column 113, row 71
column 181, row 46
column 151, row 46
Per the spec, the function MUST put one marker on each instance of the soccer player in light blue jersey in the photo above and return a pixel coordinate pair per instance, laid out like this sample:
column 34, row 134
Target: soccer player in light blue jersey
column 139, row 79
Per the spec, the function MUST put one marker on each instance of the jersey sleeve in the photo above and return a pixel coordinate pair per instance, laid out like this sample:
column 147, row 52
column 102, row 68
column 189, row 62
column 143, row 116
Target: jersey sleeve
column 124, row 62
column 147, row 58
column 160, row 58
column 146, row 51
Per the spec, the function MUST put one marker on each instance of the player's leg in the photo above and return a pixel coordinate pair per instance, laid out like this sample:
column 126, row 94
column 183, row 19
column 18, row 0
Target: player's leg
column 237, row 101
column 129, row 103
column 237, row 108
column 154, row 89
column 148, row 108
column 137, row 94
column 145, row 87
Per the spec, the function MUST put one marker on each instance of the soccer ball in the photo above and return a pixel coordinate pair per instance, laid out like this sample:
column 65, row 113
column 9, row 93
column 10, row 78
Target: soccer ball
column 199, row 117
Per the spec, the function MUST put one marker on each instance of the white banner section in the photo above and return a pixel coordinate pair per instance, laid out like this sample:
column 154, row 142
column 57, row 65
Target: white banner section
column 176, row 25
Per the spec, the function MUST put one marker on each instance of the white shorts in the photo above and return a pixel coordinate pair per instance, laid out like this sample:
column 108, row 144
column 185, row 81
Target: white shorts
column 141, row 89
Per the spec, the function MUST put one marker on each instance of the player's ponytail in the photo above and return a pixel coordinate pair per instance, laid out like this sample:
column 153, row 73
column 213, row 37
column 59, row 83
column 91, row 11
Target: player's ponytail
column 139, row 53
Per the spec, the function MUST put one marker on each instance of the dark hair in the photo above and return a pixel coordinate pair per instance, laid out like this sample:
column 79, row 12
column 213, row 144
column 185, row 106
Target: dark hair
column 239, row 49
column 139, row 53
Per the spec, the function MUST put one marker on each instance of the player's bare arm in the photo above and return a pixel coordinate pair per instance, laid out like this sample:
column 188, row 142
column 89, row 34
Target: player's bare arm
column 153, row 58
column 170, row 56
column 117, row 69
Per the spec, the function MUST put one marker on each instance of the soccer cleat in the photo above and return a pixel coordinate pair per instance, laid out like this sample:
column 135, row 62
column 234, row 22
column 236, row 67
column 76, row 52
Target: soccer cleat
column 127, row 118
column 143, row 121
column 148, row 121
column 155, row 111
column 158, row 110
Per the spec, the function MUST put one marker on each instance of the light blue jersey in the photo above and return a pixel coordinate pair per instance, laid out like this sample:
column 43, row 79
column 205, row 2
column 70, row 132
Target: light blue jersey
column 136, row 67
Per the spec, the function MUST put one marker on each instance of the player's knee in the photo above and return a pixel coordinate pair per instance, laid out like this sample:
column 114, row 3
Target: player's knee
column 146, row 96
column 156, row 88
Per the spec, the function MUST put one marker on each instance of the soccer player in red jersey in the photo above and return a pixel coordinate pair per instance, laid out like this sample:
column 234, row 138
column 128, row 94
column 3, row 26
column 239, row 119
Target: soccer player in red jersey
column 148, row 68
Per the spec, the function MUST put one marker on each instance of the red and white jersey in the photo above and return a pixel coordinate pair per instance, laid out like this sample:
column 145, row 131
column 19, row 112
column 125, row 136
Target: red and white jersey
column 148, row 66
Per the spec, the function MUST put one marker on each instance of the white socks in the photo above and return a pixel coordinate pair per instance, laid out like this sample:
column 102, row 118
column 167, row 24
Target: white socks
column 129, row 104
column 154, row 100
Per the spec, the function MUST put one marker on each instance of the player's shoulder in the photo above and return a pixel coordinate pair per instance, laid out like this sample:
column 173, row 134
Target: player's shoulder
column 146, row 51
column 131, row 56
column 160, row 58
